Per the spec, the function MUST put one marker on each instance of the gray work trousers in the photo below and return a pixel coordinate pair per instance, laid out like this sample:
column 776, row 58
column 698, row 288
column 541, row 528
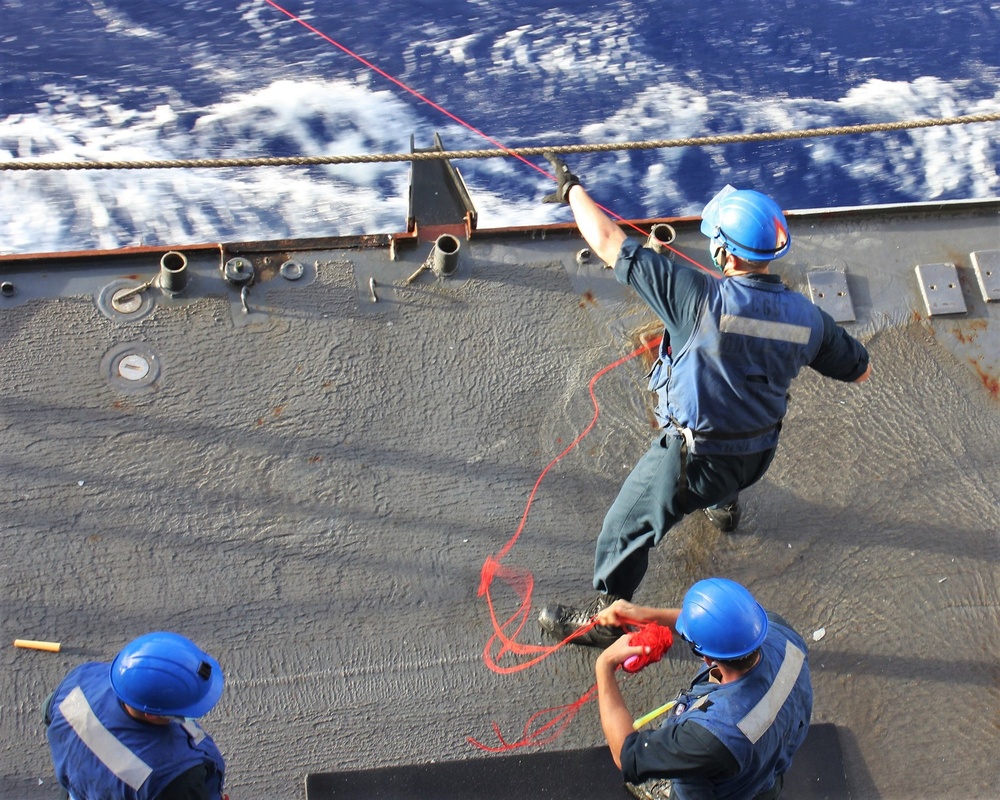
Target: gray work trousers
column 651, row 502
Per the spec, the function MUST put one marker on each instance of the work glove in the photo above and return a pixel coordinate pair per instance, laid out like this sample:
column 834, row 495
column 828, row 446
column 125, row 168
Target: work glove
column 566, row 179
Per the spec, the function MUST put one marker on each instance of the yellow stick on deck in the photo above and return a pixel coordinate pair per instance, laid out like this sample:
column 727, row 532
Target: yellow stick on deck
column 31, row 644
column 653, row 715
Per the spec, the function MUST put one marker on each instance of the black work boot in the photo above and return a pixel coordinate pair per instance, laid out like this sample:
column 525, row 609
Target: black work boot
column 653, row 789
column 726, row 518
column 562, row 621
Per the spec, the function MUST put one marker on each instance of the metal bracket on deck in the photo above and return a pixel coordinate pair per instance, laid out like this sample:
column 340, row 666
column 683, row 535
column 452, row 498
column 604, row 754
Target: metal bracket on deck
column 987, row 266
column 828, row 290
column 439, row 198
column 941, row 290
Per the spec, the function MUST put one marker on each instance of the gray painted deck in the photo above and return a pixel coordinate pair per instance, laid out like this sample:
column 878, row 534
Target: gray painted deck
column 310, row 489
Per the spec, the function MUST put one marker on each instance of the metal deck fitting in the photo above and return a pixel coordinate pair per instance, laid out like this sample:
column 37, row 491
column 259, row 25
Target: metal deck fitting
column 941, row 289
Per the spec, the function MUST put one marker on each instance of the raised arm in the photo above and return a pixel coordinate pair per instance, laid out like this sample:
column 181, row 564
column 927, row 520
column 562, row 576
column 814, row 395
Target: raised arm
column 601, row 233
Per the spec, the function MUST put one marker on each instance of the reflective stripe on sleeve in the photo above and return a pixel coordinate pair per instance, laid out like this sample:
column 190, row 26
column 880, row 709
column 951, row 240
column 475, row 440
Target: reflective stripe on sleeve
column 125, row 764
column 762, row 715
column 763, row 329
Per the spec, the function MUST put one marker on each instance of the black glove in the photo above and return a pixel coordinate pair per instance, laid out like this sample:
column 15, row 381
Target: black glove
column 566, row 179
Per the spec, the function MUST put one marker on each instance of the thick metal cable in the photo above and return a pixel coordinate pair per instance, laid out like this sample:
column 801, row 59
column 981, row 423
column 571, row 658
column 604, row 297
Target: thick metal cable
column 518, row 152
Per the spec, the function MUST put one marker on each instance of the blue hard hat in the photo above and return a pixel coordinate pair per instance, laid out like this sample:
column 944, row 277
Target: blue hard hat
column 167, row 675
column 750, row 225
column 721, row 619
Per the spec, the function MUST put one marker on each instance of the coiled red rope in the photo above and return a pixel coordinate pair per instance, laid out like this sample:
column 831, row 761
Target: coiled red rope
column 521, row 582
column 545, row 725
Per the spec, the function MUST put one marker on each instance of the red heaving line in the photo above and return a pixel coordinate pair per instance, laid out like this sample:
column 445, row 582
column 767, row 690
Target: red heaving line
column 451, row 116
column 521, row 581
column 657, row 639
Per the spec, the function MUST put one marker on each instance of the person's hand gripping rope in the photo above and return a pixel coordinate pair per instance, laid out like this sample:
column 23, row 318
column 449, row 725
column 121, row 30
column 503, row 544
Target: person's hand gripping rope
column 566, row 180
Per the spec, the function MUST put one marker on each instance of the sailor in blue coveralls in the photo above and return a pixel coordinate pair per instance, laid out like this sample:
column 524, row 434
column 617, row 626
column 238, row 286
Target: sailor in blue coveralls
column 733, row 733
column 730, row 349
column 126, row 729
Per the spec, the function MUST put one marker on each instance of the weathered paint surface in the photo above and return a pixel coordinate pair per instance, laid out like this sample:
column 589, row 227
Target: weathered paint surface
column 309, row 489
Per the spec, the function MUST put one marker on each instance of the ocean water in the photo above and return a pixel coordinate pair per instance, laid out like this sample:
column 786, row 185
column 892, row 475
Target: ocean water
column 173, row 79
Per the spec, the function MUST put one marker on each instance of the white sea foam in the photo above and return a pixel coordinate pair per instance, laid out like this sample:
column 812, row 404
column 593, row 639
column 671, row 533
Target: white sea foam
column 51, row 211
column 959, row 161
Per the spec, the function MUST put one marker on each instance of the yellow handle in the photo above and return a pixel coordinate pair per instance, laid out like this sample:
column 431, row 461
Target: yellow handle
column 31, row 644
column 645, row 718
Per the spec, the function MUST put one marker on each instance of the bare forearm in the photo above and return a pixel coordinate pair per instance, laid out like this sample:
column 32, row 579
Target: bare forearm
column 661, row 616
column 623, row 612
column 616, row 721
column 597, row 228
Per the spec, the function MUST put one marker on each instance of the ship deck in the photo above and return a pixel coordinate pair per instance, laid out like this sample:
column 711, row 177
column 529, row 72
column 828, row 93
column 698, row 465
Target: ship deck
column 308, row 482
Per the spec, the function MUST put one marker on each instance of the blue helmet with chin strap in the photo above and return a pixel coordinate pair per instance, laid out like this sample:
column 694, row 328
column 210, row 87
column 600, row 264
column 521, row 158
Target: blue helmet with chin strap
column 748, row 224
column 166, row 674
column 721, row 619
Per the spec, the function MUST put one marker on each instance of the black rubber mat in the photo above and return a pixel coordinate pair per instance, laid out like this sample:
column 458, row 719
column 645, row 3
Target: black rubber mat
column 817, row 774
column 818, row 771
column 581, row 774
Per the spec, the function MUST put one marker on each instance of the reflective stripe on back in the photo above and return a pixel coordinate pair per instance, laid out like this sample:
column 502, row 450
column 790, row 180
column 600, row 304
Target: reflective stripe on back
column 760, row 717
column 125, row 764
column 193, row 730
column 763, row 329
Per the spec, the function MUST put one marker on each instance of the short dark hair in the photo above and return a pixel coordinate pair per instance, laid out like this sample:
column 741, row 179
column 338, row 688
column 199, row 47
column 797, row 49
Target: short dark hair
column 741, row 664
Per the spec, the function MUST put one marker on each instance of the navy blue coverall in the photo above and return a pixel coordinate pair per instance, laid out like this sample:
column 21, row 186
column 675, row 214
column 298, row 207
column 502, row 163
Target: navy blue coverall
column 729, row 353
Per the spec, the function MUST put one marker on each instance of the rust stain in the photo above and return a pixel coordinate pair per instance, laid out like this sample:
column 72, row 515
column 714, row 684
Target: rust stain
column 969, row 332
column 278, row 410
column 327, row 384
column 315, row 459
column 588, row 299
column 958, row 259
column 991, row 382
column 260, row 421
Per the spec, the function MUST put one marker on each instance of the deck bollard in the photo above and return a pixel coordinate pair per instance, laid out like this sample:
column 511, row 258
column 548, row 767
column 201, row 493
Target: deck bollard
column 660, row 236
column 444, row 257
column 173, row 272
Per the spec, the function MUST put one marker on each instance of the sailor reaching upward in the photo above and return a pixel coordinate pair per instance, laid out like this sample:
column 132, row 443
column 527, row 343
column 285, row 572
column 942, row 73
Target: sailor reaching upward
column 730, row 349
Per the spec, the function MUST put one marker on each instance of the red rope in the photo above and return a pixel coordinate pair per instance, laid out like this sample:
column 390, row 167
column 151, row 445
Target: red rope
column 403, row 86
column 658, row 638
column 522, row 581
column 546, row 725
column 505, row 634
column 457, row 119
column 543, row 733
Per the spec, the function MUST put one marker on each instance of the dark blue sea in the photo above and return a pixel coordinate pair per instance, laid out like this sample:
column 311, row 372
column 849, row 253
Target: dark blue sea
column 173, row 79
